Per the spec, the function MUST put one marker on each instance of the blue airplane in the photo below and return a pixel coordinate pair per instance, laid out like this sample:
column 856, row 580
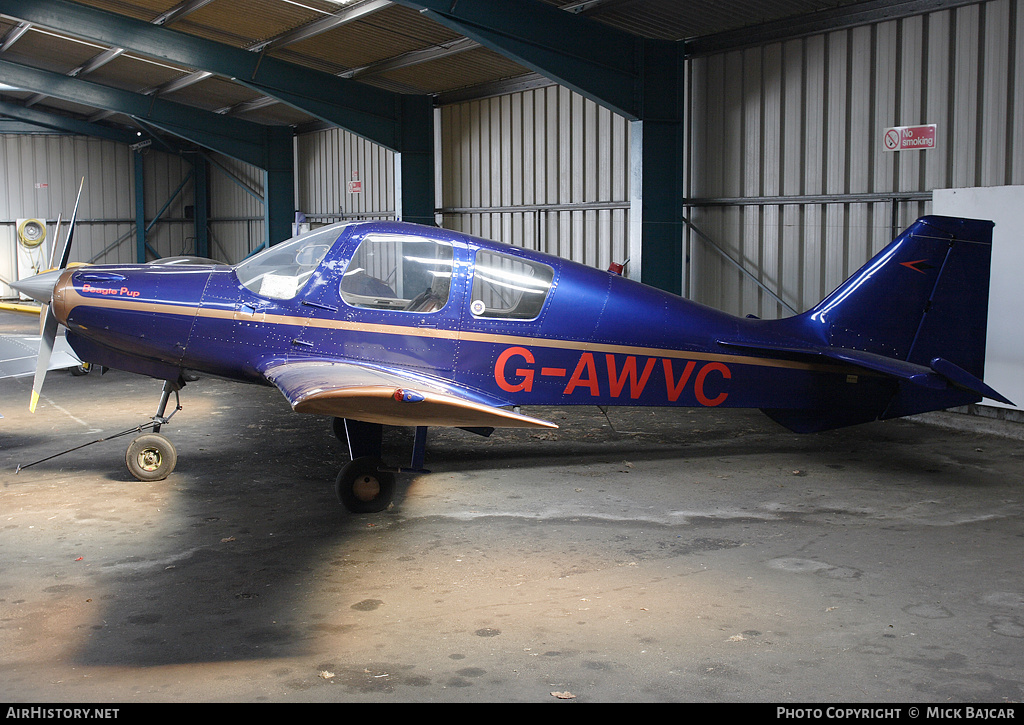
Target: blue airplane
column 380, row 323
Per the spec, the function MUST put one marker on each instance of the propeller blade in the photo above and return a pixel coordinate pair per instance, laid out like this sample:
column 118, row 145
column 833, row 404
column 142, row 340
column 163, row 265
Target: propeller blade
column 71, row 230
column 56, row 237
column 46, row 342
column 49, row 327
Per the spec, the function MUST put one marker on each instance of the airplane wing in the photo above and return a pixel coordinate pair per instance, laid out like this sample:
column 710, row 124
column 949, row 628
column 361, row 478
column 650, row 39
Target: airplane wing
column 19, row 353
column 357, row 392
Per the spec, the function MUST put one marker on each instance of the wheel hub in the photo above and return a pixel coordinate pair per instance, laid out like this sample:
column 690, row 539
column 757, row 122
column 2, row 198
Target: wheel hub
column 150, row 459
column 366, row 488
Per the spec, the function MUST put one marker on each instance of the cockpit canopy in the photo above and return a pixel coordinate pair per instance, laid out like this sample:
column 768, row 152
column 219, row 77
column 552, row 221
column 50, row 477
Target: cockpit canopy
column 404, row 272
column 282, row 271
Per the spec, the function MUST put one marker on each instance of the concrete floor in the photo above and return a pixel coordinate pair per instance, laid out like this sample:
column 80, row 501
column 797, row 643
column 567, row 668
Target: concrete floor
column 686, row 556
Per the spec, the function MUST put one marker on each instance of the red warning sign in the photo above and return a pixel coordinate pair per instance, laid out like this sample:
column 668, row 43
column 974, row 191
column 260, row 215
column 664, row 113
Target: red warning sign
column 909, row 138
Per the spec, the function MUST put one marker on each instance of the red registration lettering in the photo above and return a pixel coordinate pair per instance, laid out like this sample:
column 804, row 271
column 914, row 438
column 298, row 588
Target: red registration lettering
column 526, row 375
column 617, row 383
column 676, row 389
column 585, row 365
column 698, row 384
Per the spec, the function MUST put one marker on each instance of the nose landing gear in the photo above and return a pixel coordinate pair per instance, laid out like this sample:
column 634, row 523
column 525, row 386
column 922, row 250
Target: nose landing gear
column 151, row 456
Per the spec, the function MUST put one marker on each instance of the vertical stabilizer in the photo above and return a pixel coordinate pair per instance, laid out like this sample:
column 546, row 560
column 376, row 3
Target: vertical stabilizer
column 924, row 296
column 914, row 318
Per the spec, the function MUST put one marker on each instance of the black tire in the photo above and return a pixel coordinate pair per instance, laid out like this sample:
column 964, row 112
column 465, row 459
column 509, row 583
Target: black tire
column 363, row 488
column 151, row 457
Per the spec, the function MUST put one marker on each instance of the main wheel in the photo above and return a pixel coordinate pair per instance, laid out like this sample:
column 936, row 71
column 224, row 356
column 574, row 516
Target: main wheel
column 151, row 457
column 363, row 487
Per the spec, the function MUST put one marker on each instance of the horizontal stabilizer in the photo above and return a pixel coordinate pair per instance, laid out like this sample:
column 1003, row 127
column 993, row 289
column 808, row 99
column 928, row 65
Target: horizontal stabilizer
column 963, row 379
column 356, row 392
column 938, row 375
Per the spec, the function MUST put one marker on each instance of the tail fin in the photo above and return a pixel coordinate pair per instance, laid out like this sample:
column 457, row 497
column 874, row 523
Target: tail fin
column 915, row 315
column 924, row 296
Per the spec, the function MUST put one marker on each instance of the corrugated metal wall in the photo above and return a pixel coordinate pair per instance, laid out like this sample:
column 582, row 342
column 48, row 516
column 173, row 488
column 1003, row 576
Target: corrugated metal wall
column 549, row 170
column 544, row 169
column 804, row 119
column 236, row 222
column 41, row 176
column 327, row 161
column 42, row 172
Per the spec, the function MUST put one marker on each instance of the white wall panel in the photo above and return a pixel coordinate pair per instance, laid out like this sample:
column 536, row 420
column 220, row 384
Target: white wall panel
column 236, row 216
column 40, row 174
column 40, row 178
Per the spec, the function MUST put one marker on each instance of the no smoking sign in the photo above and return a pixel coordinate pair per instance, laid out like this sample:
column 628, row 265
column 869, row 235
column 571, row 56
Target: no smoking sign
column 909, row 138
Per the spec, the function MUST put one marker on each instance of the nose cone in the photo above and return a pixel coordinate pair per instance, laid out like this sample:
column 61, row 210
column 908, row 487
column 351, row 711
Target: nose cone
column 39, row 287
column 62, row 290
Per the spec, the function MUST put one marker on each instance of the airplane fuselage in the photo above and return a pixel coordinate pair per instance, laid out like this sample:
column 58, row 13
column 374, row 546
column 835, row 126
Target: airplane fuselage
column 597, row 338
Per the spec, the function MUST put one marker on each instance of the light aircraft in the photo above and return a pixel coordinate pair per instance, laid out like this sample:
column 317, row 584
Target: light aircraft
column 386, row 323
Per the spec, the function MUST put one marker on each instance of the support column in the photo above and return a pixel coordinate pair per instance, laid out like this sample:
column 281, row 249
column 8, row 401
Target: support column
column 278, row 185
column 201, row 194
column 140, row 209
column 414, row 165
column 658, row 139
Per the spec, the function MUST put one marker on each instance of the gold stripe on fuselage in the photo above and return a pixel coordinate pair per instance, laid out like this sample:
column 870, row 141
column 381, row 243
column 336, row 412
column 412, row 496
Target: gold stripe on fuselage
column 74, row 299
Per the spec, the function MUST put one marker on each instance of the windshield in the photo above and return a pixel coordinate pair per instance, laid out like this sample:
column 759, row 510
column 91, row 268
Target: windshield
column 281, row 271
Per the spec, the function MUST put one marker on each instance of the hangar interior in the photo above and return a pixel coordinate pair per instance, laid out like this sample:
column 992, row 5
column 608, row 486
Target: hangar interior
column 732, row 152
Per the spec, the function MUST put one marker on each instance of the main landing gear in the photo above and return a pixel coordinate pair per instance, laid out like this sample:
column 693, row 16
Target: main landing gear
column 365, row 485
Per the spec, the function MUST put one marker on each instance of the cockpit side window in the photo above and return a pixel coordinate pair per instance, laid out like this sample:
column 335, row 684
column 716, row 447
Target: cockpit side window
column 398, row 272
column 507, row 287
column 283, row 270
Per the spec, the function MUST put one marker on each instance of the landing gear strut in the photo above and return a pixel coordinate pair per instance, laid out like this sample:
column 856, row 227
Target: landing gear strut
column 365, row 484
column 151, row 456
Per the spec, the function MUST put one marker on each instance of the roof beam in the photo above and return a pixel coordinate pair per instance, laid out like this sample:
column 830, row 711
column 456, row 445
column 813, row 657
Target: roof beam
column 367, row 111
column 13, row 35
column 242, row 140
column 309, row 30
column 823, row 21
column 64, row 124
column 600, row 62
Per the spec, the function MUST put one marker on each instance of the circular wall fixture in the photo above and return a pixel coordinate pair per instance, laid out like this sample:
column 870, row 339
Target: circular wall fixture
column 31, row 232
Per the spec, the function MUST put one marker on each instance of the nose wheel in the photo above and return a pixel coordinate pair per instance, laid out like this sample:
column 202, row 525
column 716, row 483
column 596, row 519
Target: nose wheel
column 151, row 457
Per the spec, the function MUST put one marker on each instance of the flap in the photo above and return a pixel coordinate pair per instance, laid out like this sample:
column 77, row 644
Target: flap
column 346, row 390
